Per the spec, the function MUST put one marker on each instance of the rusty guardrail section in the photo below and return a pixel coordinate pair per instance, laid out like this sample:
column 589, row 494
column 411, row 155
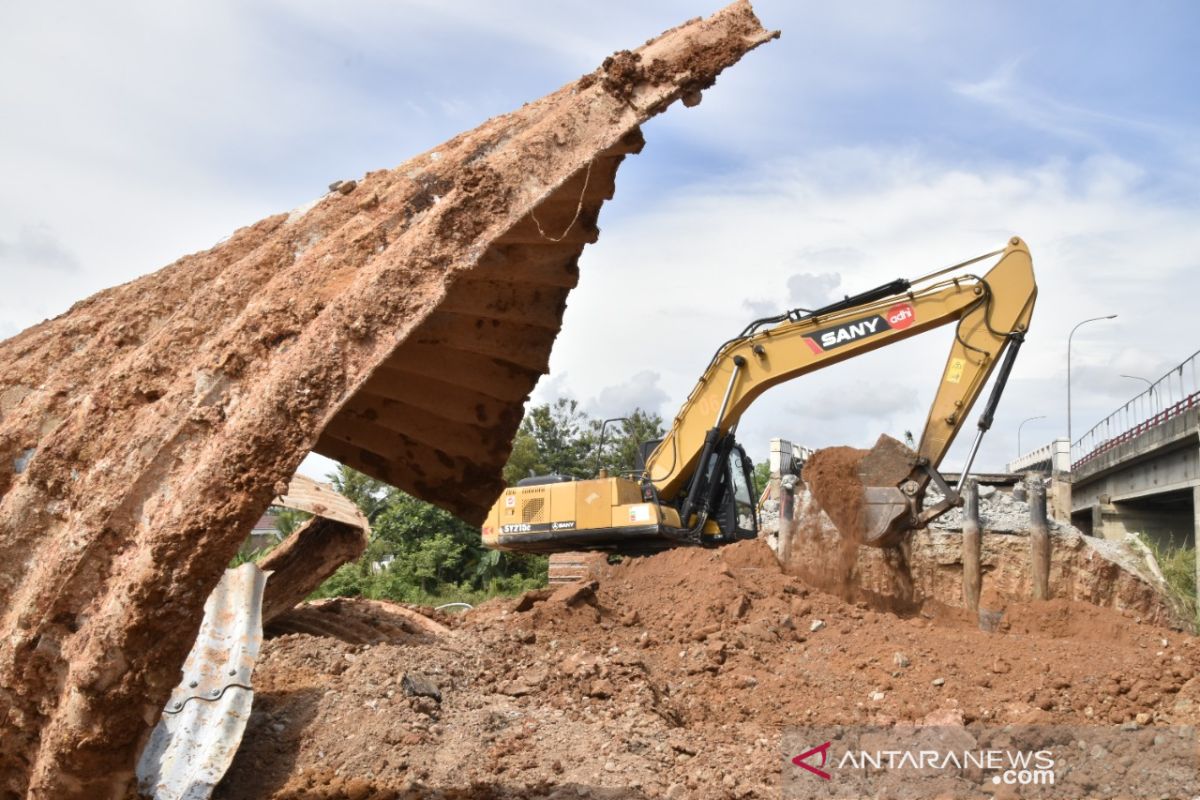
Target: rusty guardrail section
column 398, row 325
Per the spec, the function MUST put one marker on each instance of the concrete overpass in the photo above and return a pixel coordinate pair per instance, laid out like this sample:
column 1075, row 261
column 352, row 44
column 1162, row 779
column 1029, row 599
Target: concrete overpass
column 1138, row 470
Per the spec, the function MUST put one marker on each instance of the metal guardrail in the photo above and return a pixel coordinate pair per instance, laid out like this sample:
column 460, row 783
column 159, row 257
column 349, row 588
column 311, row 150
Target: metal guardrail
column 198, row 735
column 1175, row 393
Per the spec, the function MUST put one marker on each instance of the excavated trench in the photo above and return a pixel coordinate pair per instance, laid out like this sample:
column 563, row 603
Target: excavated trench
column 397, row 325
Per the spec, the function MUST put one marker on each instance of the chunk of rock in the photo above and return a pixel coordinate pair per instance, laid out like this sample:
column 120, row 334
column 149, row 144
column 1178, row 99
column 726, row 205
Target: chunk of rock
column 577, row 593
column 416, row 685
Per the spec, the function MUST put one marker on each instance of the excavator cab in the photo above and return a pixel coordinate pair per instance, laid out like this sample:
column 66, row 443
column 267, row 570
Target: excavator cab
column 742, row 516
column 722, row 495
column 729, row 508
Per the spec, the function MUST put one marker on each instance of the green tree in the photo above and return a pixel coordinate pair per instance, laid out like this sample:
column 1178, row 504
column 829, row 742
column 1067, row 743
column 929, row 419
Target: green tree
column 553, row 438
column 762, row 474
column 428, row 562
column 559, row 438
column 371, row 496
column 622, row 440
column 287, row 520
column 420, row 553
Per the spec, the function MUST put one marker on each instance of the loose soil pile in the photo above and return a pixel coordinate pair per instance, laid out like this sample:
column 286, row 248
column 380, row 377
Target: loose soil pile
column 834, row 480
column 832, row 476
column 673, row 676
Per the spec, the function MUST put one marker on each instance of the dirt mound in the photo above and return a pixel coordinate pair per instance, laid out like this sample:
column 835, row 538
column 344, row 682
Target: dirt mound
column 672, row 676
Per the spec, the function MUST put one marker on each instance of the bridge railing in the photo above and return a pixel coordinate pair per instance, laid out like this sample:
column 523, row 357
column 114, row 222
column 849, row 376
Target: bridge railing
column 1175, row 393
column 1052, row 457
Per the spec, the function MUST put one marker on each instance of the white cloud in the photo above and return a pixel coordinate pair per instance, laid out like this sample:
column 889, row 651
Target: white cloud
column 317, row 467
column 34, row 261
column 1099, row 247
column 855, row 402
column 805, row 290
column 1022, row 101
column 35, row 247
column 641, row 390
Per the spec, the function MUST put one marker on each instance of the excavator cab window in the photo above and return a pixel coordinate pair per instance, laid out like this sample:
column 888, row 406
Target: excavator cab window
column 730, row 481
column 741, row 479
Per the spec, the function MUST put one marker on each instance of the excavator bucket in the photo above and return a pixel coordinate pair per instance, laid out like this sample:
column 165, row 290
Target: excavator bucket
column 889, row 512
column 871, row 495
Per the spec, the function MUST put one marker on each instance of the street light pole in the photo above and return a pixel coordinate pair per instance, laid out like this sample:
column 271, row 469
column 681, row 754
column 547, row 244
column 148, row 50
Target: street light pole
column 1021, row 452
column 1153, row 409
column 1070, row 438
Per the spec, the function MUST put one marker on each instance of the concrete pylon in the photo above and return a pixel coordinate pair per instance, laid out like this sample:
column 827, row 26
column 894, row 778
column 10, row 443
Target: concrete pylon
column 1196, row 537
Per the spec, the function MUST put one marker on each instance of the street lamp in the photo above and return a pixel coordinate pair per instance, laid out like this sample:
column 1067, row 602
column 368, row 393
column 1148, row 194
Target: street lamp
column 1021, row 452
column 1148, row 383
column 1070, row 439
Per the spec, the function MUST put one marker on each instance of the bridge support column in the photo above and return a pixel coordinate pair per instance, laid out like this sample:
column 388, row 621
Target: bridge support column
column 1196, row 534
column 1058, row 497
column 1106, row 521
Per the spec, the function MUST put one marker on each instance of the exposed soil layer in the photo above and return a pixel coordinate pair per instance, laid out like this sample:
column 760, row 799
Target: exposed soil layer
column 397, row 324
column 673, row 676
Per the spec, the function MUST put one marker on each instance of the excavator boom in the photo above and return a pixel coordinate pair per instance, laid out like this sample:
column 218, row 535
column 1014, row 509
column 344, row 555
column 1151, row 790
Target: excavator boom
column 987, row 309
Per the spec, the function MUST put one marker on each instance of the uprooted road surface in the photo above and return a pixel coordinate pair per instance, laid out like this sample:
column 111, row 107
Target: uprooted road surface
column 397, row 324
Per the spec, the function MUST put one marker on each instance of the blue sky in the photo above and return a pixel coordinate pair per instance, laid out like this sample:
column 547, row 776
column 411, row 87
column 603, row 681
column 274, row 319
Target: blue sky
column 872, row 141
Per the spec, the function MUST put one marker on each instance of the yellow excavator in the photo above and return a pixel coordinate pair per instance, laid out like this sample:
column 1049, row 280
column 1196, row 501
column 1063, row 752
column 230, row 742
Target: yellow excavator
column 695, row 486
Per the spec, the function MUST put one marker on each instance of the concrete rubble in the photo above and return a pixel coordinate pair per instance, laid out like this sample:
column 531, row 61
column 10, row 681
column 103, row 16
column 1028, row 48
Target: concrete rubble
column 999, row 512
column 397, row 325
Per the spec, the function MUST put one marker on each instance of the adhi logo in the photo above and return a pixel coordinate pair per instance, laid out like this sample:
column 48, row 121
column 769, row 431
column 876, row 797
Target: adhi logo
column 823, row 749
column 901, row 315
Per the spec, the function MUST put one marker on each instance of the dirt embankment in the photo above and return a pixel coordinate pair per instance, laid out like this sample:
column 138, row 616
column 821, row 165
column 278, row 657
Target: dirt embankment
column 927, row 566
column 673, row 676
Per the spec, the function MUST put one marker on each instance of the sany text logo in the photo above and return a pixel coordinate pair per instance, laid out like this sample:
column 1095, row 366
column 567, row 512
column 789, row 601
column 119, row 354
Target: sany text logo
column 823, row 749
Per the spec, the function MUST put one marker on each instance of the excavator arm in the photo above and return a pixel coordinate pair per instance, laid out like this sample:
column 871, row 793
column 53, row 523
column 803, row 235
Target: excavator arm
column 991, row 314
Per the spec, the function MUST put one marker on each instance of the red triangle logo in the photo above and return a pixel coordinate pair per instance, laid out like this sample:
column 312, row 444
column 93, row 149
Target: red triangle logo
column 823, row 749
